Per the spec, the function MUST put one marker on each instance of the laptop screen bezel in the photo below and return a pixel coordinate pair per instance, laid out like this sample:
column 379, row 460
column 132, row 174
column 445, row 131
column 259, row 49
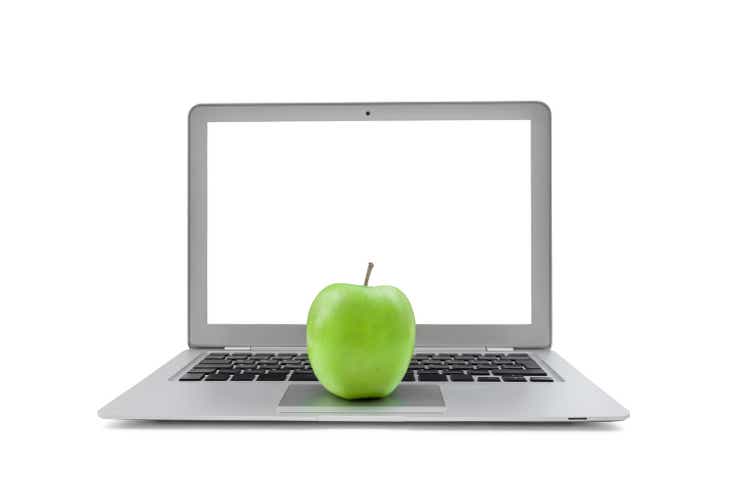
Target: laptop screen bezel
column 538, row 334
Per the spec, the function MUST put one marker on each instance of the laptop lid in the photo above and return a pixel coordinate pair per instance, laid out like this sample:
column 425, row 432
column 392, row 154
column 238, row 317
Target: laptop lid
column 450, row 200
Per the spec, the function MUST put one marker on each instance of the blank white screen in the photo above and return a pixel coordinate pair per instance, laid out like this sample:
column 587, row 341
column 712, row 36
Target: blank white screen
column 443, row 209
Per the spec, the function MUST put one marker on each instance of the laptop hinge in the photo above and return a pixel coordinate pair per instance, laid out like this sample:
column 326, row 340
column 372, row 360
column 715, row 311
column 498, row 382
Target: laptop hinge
column 487, row 348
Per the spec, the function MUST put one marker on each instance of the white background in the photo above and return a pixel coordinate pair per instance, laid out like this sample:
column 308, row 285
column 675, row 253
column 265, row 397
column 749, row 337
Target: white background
column 443, row 208
column 650, row 238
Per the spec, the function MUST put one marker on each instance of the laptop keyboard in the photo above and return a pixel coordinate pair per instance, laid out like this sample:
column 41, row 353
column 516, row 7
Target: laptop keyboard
column 424, row 367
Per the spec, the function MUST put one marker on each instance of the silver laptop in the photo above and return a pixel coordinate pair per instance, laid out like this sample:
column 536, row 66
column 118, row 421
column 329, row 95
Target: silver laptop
column 452, row 203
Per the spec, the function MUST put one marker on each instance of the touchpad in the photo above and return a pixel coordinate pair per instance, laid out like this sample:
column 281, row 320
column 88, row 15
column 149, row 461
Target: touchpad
column 313, row 398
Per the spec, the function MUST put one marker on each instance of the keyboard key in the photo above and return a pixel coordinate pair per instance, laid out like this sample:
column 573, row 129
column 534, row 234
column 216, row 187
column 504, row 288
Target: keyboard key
column 520, row 372
column 229, row 372
column 479, row 372
column 488, row 379
column 432, row 377
column 514, row 379
column 191, row 378
column 212, row 367
column 518, row 355
column 529, row 364
column 217, row 377
column 461, row 378
column 541, row 379
column 273, row 376
column 243, row 377
column 503, row 371
column 409, row 377
column 303, row 377
column 202, row 370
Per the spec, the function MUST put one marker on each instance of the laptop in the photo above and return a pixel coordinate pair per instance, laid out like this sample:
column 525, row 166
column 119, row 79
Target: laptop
column 451, row 201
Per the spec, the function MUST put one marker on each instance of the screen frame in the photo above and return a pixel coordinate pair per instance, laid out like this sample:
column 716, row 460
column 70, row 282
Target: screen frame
column 538, row 334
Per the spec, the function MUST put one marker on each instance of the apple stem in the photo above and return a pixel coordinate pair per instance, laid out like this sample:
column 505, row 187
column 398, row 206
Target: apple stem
column 370, row 265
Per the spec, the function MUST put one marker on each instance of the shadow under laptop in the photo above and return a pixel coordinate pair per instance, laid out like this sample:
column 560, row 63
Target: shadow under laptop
column 572, row 427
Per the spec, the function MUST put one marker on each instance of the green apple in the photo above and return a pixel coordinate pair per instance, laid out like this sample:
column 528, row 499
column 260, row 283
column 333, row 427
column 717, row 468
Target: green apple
column 360, row 339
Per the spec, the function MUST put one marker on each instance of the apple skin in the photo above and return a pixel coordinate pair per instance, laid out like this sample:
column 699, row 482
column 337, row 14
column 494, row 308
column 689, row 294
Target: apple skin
column 360, row 339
